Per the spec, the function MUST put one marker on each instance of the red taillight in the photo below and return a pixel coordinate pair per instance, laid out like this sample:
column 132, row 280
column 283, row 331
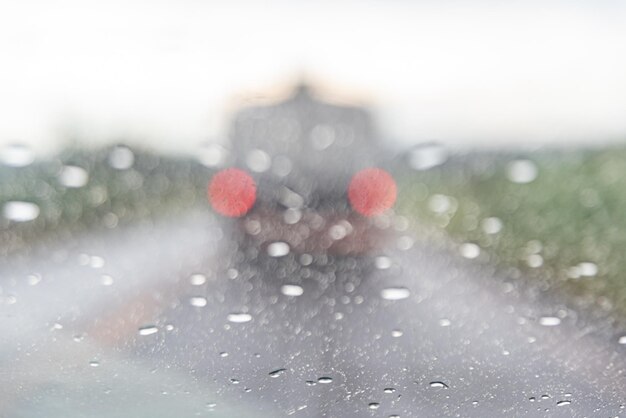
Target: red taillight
column 372, row 191
column 232, row 192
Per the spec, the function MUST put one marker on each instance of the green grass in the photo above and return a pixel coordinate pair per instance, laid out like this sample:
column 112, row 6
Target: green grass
column 573, row 212
column 154, row 186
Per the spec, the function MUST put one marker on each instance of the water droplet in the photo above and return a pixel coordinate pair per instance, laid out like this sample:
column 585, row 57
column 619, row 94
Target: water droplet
column 234, row 381
column 10, row 300
column 325, row 380
column 397, row 333
column 622, row 339
column 306, row 259
column 197, row 279
column 293, row 216
column 382, row 262
column 522, row 171
column 405, row 243
column 563, row 403
column 198, row 301
column 438, row 385
column 258, row 161
column 470, row 250
column 72, row 176
column 277, row 373
column 282, row 165
column 549, row 321
column 212, row 155
column 427, row 156
column 33, row 279
column 96, row 262
column 291, row 290
column 439, row 203
column 491, row 225
column 587, row 269
column 121, row 158
column 394, row 416
column 395, row 293
column 20, row 211
column 373, row 405
column 310, row 383
column 278, row 249
column 148, row 330
column 239, row 317
column 106, row 280
column 322, row 136
column 534, row 261
column 94, row 363
column 444, row 322
column 389, row 390
column 17, row 156
column 223, row 354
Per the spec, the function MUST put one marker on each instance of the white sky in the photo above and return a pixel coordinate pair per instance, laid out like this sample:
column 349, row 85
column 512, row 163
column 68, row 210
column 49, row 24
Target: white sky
column 489, row 73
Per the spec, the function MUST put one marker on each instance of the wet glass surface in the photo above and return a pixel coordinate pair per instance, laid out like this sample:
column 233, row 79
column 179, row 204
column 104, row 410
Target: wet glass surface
column 313, row 250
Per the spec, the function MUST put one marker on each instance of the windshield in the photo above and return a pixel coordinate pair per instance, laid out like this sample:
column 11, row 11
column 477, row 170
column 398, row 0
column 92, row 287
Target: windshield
column 352, row 209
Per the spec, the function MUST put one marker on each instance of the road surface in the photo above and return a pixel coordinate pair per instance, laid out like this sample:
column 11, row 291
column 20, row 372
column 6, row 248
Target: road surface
column 166, row 319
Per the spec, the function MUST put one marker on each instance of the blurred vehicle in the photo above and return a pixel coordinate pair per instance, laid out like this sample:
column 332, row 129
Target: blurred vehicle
column 306, row 178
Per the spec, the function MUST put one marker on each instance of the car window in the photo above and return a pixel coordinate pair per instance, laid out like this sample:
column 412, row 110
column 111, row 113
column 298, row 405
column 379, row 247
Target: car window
column 312, row 210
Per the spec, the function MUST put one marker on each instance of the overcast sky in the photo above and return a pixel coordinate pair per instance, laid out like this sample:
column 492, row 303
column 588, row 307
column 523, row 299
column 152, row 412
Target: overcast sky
column 168, row 73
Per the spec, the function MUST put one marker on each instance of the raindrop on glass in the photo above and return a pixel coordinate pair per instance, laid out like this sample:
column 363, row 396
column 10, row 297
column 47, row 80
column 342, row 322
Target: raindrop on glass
column 291, row 290
column 258, row 161
column 197, row 279
column 106, row 280
column 427, row 156
column 148, row 330
column 277, row 373
column 239, row 317
column 20, row 211
column 491, row 225
column 278, row 249
column 17, row 156
column 198, row 301
column 397, row 333
column 382, row 262
column 522, row 171
column 470, row 250
column 395, row 293
column 72, row 176
column 587, row 269
column 549, row 321
column 121, row 158
column 444, row 322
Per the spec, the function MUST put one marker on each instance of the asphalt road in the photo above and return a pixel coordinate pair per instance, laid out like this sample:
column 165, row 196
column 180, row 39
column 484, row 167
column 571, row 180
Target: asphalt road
column 420, row 332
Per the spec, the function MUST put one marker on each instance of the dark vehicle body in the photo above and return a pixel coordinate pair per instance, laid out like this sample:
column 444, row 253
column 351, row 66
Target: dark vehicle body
column 302, row 154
